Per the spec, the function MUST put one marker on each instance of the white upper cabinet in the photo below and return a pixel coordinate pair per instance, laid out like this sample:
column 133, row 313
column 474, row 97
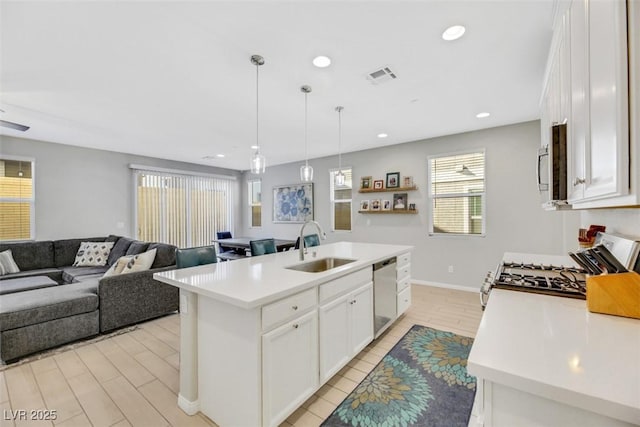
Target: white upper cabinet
column 587, row 85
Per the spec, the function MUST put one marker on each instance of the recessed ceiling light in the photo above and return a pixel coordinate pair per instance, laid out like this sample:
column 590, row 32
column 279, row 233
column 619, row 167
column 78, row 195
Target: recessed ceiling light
column 219, row 156
column 254, row 147
column 482, row 115
column 453, row 33
column 321, row 61
column 382, row 135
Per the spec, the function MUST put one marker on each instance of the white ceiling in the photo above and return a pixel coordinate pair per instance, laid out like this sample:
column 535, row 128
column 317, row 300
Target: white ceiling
column 173, row 79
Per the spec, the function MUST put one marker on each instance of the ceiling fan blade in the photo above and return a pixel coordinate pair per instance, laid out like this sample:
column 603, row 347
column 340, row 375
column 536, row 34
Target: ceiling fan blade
column 12, row 125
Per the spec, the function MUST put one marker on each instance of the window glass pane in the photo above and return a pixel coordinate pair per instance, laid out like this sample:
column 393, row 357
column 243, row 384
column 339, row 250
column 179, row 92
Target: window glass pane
column 461, row 215
column 255, row 208
column 182, row 210
column 16, row 199
column 342, row 216
column 457, row 189
column 256, row 216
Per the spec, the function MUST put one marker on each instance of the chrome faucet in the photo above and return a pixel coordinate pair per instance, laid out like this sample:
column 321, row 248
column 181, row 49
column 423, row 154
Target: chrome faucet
column 321, row 232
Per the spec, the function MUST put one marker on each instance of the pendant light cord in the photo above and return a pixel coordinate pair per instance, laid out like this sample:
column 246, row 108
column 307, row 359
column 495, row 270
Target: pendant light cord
column 257, row 109
column 306, row 152
column 340, row 140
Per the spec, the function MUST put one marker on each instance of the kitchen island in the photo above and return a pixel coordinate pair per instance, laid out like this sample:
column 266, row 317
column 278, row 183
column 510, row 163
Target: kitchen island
column 259, row 337
column 547, row 361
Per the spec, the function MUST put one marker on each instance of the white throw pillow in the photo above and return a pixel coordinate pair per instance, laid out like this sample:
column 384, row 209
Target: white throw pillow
column 93, row 254
column 118, row 266
column 7, row 264
column 140, row 262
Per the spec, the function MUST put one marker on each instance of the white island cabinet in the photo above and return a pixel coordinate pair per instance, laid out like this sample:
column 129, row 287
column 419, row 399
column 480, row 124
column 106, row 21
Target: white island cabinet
column 258, row 338
column 543, row 360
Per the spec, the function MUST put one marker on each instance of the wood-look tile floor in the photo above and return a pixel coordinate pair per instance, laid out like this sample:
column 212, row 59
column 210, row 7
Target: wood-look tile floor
column 133, row 380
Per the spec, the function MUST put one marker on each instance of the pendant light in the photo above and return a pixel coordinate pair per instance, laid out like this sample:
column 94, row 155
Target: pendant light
column 339, row 179
column 258, row 163
column 306, row 171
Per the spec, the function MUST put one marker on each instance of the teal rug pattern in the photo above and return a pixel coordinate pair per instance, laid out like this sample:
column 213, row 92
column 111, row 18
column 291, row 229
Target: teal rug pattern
column 422, row 381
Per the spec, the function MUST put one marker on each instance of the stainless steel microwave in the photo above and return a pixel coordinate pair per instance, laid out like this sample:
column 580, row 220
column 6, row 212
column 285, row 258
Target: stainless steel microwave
column 552, row 169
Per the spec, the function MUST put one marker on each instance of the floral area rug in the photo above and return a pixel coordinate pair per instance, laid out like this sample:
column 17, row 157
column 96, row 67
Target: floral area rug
column 422, row 381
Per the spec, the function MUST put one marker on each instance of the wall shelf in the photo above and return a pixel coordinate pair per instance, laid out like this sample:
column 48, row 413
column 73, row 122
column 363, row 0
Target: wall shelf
column 386, row 190
column 415, row 211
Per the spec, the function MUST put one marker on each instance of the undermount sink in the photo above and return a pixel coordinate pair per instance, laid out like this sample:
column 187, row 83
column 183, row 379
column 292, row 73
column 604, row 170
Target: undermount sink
column 320, row 265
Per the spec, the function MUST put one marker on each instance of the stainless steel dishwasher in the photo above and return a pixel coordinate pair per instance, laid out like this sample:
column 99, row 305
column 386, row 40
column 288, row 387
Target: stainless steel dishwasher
column 384, row 295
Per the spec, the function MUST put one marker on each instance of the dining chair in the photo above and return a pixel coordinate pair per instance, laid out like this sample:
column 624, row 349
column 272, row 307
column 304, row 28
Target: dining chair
column 224, row 235
column 262, row 247
column 309, row 240
column 190, row 257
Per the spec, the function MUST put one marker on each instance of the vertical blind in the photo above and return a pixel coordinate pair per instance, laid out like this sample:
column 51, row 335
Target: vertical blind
column 16, row 200
column 183, row 210
column 456, row 190
column 341, row 201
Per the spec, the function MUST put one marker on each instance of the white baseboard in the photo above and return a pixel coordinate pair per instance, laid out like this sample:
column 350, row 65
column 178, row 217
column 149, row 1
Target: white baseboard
column 445, row 285
column 189, row 407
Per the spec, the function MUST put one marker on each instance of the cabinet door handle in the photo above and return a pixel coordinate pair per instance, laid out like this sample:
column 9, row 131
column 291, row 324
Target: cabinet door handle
column 295, row 307
column 295, row 326
column 579, row 181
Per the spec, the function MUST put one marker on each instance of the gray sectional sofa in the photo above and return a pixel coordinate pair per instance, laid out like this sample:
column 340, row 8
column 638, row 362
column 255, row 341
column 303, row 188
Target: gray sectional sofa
column 37, row 313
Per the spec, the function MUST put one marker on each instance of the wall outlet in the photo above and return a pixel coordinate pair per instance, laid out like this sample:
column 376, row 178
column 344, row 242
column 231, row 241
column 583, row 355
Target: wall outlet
column 451, row 269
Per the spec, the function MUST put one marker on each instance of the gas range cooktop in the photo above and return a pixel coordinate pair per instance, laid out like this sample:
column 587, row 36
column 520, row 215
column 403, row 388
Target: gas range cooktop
column 541, row 278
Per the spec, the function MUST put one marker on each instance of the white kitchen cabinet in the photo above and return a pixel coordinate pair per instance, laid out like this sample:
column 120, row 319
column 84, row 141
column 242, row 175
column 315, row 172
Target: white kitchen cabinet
column 403, row 283
column 346, row 327
column 598, row 165
column 289, row 367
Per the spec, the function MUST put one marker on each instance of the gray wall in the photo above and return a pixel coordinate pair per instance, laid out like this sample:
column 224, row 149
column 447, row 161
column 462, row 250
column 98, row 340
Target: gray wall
column 515, row 220
column 82, row 192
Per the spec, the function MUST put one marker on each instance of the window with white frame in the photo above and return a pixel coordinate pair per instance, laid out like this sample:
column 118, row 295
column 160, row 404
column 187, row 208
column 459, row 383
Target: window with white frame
column 457, row 193
column 17, row 199
column 255, row 203
column 340, row 197
column 182, row 210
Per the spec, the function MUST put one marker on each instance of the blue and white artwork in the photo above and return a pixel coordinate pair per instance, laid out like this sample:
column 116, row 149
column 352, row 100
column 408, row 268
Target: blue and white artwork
column 293, row 203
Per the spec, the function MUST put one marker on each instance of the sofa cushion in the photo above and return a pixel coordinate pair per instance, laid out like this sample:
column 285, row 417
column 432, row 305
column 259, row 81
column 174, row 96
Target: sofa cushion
column 66, row 250
column 32, row 255
column 73, row 274
column 93, row 254
column 165, row 254
column 137, row 247
column 21, row 284
column 42, row 305
column 119, row 249
column 7, row 264
column 53, row 273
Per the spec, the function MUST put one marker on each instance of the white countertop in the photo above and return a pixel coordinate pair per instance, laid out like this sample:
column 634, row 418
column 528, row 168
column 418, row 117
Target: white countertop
column 255, row 281
column 555, row 348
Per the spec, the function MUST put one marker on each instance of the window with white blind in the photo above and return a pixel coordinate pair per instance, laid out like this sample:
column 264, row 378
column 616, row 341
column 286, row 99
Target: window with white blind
column 340, row 198
column 457, row 194
column 17, row 200
column 255, row 203
column 182, row 210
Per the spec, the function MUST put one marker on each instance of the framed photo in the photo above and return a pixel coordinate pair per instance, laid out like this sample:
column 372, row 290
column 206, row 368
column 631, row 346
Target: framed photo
column 386, row 205
column 375, row 205
column 399, row 201
column 364, row 205
column 412, row 206
column 365, row 182
column 293, row 203
column 393, row 180
column 378, row 184
column 407, row 181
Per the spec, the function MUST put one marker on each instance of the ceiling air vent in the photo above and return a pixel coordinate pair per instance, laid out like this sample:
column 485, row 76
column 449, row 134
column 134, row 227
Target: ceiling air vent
column 381, row 75
column 12, row 125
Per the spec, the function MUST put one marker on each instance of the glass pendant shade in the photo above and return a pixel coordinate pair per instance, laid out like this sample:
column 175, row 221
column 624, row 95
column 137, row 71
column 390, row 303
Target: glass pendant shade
column 306, row 173
column 258, row 163
column 340, row 179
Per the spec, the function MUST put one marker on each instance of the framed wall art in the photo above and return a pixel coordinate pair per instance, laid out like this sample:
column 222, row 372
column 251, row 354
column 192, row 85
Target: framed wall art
column 393, row 180
column 400, row 201
column 293, row 203
column 365, row 182
column 364, row 205
column 375, row 205
column 378, row 184
column 386, row 205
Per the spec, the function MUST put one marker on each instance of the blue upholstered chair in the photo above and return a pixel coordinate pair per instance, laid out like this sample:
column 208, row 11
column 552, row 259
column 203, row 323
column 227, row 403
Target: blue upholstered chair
column 309, row 240
column 262, row 247
column 190, row 257
column 224, row 235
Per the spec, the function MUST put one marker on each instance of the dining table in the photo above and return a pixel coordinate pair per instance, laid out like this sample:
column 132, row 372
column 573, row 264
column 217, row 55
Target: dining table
column 243, row 243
